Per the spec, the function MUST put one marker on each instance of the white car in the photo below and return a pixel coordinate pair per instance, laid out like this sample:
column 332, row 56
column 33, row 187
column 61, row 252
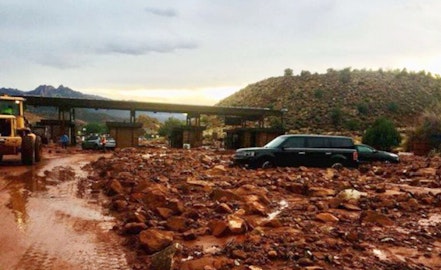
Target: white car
column 94, row 142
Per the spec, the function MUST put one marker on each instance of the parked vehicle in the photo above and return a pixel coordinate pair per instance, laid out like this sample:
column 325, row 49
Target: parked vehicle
column 368, row 153
column 95, row 142
column 43, row 132
column 300, row 150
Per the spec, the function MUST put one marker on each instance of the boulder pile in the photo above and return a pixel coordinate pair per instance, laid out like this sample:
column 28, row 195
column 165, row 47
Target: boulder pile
column 190, row 209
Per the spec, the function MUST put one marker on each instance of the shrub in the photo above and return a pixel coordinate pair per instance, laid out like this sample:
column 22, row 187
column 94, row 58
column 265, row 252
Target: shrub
column 288, row 72
column 382, row 134
column 345, row 75
column 392, row 107
column 318, row 93
column 95, row 128
column 429, row 128
column 353, row 125
column 362, row 108
column 305, row 73
column 336, row 117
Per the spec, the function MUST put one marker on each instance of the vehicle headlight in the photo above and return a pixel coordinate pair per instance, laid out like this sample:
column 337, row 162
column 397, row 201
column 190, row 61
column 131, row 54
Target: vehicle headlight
column 245, row 154
column 249, row 154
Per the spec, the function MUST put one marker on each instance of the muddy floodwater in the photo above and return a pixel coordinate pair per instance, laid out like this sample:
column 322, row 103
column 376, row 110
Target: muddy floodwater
column 49, row 222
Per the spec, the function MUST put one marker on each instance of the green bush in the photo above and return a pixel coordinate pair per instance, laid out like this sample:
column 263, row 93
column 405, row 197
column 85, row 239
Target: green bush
column 428, row 128
column 392, row 107
column 362, row 108
column 353, row 124
column 336, row 117
column 166, row 128
column 288, row 72
column 345, row 75
column 318, row 93
column 382, row 134
column 95, row 128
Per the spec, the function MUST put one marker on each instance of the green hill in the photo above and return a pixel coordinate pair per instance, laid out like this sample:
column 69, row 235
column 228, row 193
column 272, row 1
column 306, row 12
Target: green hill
column 344, row 99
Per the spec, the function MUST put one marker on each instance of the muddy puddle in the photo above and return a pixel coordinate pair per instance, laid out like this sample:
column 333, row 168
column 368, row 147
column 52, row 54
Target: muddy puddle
column 49, row 223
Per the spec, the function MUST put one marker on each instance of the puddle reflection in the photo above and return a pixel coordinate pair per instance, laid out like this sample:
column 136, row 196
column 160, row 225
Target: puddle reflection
column 17, row 203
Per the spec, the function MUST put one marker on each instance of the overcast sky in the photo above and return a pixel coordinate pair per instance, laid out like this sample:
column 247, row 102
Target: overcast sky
column 200, row 51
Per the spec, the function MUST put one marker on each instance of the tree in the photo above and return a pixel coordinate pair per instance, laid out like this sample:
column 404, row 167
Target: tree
column 336, row 117
column 428, row 129
column 98, row 128
column 288, row 72
column 382, row 134
column 345, row 75
column 148, row 122
column 305, row 73
column 166, row 128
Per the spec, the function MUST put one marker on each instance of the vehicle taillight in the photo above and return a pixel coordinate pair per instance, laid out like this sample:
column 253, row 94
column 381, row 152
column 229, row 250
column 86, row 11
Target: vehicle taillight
column 355, row 155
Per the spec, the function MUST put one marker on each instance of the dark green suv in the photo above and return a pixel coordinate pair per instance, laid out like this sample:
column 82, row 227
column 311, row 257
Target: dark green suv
column 300, row 150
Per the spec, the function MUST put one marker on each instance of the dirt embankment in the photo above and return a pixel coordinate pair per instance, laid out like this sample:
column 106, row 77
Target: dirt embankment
column 188, row 209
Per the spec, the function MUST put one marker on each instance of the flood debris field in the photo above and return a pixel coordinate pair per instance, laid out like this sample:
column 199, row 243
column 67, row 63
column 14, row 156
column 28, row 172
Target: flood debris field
column 50, row 221
column 189, row 209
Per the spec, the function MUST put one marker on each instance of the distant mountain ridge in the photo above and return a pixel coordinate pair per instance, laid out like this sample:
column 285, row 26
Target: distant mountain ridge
column 49, row 91
column 87, row 115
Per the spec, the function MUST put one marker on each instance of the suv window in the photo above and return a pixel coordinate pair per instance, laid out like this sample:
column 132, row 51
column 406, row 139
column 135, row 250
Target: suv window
column 341, row 143
column 294, row 142
column 318, row 142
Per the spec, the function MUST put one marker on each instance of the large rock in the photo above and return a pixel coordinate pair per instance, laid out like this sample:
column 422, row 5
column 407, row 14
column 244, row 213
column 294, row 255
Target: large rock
column 253, row 206
column 218, row 227
column 175, row 205
column 258, row 192
column 165, row 212
column 154, row 197
column 217, row 170
column 374, row 217
column 153, row 240
column 236, row 225
column 177, row 223
column 427, row 171
column 134, row 227
column 222, row 194
column 115, row 188
column 163, row 260
column 327, row 217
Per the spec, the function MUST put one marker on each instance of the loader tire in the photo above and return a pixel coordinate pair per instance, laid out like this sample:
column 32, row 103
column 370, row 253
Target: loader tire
column 38, row 149
column 28, row 150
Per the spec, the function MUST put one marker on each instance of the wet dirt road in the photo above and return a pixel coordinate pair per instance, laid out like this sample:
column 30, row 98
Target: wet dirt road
column 47, row 221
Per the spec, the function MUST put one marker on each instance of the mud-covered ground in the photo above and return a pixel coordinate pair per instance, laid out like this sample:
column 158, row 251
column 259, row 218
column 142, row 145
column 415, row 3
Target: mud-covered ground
column 49, row 221
column 188, row 209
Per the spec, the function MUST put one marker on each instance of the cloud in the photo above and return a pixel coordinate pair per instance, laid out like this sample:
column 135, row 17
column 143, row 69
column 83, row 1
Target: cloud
column 167, row 12
column 110, row 43
column 130, row 47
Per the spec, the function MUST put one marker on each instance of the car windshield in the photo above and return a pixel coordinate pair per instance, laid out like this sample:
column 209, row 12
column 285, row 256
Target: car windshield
column 275, row 142
column 364, row 149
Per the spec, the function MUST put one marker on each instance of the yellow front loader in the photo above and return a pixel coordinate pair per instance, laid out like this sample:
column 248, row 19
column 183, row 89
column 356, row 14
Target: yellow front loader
column 15, row 135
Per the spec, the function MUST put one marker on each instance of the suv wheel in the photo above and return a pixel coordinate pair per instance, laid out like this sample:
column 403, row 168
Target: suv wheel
column 267, row 163
column 337, row 166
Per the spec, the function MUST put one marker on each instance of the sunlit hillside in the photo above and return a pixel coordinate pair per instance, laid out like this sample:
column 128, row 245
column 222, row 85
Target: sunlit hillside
column 343, row 99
